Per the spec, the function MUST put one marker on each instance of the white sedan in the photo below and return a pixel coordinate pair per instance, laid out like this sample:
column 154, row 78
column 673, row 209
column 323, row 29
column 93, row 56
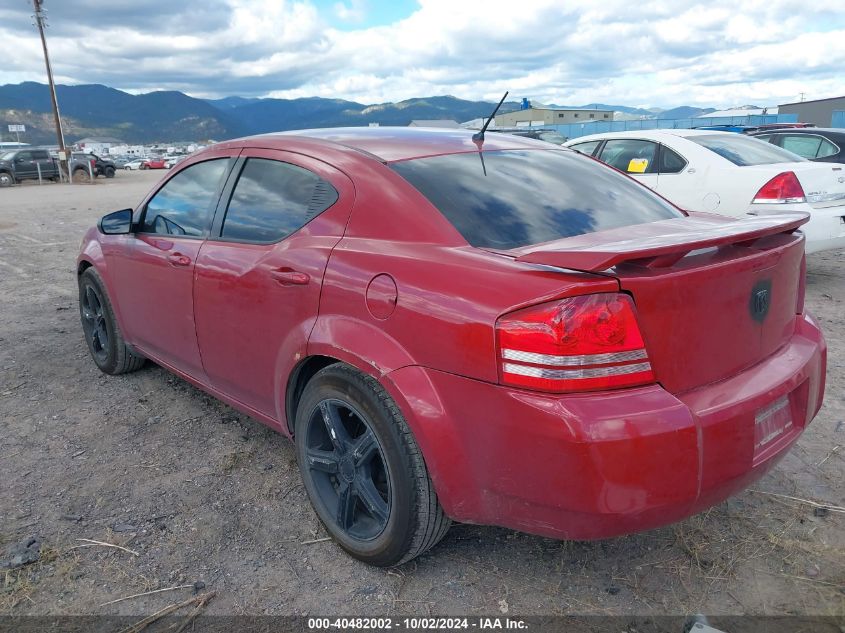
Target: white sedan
column 729, row 174
column 133, row 164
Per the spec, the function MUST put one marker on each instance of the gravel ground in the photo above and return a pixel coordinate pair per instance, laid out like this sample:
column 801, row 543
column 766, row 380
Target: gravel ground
column 198, row 493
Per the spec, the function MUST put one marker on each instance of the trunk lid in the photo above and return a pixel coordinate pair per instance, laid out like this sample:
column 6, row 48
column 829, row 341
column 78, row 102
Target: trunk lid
column 823, row 183
column 714, row 295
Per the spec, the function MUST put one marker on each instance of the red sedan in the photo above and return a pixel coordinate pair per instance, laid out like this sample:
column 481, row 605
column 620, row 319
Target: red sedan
column 154, row 163
column 498, row 331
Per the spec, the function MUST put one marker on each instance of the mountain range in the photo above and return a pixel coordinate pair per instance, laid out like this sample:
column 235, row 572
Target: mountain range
column 96, row 110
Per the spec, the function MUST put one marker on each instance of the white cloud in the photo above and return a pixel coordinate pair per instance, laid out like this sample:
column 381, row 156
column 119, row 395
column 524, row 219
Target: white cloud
column 657, row 53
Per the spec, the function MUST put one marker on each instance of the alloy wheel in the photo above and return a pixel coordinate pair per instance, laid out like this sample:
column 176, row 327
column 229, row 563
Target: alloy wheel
column 94, row 323
column 348, row 469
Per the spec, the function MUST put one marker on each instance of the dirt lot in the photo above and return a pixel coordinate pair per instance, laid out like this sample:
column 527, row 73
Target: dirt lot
column 200, row 493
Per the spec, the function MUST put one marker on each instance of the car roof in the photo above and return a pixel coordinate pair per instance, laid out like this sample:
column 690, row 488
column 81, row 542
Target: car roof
column 398, row 143
column 649, row 134
column 804, row 130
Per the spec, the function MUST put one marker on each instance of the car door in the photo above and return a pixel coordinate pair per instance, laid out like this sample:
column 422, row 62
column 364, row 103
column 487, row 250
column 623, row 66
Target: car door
column 679, row 181
column 153, row 271
column 258, row 278
column 25, row 165
column 636, row 157
column 42, row 161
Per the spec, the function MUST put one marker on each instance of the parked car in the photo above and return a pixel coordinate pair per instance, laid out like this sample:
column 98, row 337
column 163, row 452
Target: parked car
column 24, row 164
column 550, row 136
column 508, row 334
column 134, row 164
column 173, row 160
column 826, row 145
column 99, row 166
column 730, row 174
column 154, row 163
column 750, row 129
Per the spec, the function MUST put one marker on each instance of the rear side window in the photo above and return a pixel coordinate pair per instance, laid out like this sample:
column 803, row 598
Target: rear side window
column 184, row 204
column 631, row 155
column 517, row 198
column 743, row 150
column 670, row 161
column 273, row 199
column 808, row 145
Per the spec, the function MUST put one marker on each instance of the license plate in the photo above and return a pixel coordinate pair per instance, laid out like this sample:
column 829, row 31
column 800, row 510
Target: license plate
column 771, row 422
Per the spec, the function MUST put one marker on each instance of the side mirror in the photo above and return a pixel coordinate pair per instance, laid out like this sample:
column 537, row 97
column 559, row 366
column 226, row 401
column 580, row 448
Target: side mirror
column 116, row 223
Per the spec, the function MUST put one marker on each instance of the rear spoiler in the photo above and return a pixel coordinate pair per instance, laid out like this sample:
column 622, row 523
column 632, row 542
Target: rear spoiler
column 658, row 244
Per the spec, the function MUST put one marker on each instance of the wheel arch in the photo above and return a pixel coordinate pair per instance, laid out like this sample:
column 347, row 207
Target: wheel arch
column 298, row 379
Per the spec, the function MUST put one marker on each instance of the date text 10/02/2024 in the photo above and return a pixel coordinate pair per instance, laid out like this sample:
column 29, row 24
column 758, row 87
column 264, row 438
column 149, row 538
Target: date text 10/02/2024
column 416, row 624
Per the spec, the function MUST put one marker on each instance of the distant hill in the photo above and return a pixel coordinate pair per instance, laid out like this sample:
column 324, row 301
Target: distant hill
column 95, row 110
column 684, row 112
column 618, row 108
column 267, row 115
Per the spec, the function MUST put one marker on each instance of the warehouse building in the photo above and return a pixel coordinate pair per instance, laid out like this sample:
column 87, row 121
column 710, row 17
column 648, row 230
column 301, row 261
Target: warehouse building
column 819, row 112
column 538, row 117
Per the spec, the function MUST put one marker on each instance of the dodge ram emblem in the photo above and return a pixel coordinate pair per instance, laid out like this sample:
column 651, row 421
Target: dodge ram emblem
column 760, row 300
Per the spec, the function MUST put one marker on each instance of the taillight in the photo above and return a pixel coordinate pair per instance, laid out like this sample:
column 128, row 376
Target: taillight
column 782, row 189
column 581, row 343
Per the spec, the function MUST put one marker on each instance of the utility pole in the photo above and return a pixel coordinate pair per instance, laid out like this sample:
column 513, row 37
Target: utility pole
column 40, row 23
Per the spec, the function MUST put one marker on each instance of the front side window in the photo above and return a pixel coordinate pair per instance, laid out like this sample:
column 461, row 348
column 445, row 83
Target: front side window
column 273, row 199
column 516, row 198
column 744, row 150
column 586, row 148
column 630, row 155
column 183, row 206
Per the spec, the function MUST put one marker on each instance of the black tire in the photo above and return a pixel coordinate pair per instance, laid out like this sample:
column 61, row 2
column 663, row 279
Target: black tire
column 102, row 334
column 6, row 179
column 411, row 520
column 143, row 167
column 127, row 169
column 109, row 172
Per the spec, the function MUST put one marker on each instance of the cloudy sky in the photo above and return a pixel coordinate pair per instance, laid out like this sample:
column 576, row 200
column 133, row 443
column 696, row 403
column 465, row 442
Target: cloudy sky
column 651, row 53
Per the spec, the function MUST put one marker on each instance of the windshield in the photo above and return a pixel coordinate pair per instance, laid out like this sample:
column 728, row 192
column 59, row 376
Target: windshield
column 7, row 156
column 743, row 150
column 517, row 198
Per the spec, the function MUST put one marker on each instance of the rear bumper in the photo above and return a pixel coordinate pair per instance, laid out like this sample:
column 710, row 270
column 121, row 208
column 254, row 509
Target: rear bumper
column 600, row 465
column 824, row 231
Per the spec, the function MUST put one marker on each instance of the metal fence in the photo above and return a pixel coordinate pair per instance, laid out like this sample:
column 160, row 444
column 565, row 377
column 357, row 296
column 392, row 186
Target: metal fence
column 574, row 130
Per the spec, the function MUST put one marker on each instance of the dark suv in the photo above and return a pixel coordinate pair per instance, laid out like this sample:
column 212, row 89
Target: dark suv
column 101, row 166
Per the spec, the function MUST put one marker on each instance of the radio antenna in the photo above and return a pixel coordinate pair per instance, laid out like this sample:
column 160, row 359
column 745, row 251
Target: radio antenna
column 479, row 136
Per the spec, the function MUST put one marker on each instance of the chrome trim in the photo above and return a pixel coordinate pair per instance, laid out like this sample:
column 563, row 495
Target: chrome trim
column 574, row 374
column 779, row 201
column 577, row 361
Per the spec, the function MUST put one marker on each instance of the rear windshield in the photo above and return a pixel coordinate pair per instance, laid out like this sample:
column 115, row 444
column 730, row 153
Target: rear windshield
column 743, row 150
column 517, row 198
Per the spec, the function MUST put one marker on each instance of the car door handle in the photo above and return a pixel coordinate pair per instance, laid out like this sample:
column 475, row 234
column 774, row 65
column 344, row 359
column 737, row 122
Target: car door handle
column 178, row 259
column 290, row 277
